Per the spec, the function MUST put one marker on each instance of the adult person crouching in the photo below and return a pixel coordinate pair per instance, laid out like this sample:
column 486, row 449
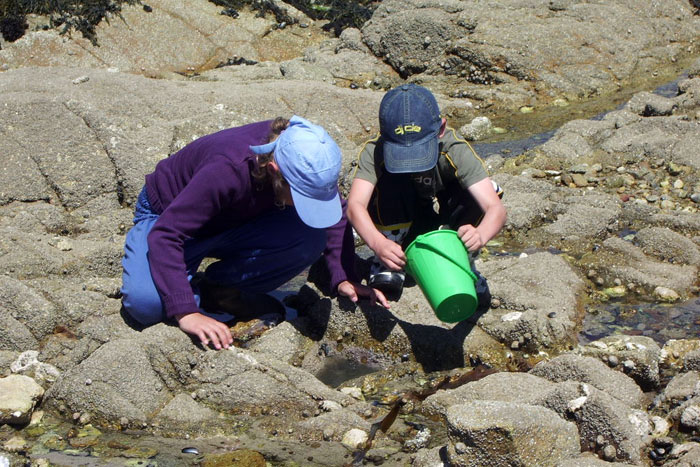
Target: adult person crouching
column 262, row 199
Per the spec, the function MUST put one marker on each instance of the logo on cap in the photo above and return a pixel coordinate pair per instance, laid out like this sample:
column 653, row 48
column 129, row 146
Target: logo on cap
column 403, row 129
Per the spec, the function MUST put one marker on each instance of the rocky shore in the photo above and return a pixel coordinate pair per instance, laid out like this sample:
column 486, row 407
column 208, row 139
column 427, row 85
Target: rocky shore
column 606, row 211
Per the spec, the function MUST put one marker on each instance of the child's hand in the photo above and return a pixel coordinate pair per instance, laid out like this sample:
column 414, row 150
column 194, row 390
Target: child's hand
column 207, row 329
column 390, row 254
column 471, row 237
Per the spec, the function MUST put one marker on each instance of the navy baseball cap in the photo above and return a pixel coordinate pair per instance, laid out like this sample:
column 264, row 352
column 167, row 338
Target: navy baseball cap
column 310, row 161
column 409, row 123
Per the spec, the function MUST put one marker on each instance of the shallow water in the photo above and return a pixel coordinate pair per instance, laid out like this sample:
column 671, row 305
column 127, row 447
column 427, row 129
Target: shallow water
column 658, row 321
column 336, row 370
column 525, row 130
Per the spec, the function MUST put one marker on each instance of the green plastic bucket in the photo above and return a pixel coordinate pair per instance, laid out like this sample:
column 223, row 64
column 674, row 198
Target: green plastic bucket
column 439, row 263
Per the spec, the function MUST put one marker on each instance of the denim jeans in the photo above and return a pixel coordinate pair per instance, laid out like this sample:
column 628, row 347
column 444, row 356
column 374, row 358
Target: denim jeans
column 258, row 257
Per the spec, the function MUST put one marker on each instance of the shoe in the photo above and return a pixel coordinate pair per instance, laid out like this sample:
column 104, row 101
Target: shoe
column 226, row 299
column 385, row 280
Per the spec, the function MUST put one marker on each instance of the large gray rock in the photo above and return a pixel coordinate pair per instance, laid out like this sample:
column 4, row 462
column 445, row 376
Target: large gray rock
column 571, row 367
column 620, row 259
column 637, row 356
column 583, row 216
column 115, row 381
column 667, row 245
column 576, row 140
column 514, row 42
column 120, row 140
column 140, row 42
column 523, row 388
column 19, row 395
column 184, row 412
column 74, row 150
column 16, row 336
column 598, row 414
column 144, row 377
column 526, row 200
column 538, row 308
column 682, row 387
column 489, row 433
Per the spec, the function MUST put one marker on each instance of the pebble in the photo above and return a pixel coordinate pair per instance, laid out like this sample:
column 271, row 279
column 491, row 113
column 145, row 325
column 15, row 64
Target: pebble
column 666, row 295
column 616, row 292
column 609, row 453
column 354, row 438
column 690, row 418
column 15, row 444
column 512, row 316
column 613, row 361
column 354, row 392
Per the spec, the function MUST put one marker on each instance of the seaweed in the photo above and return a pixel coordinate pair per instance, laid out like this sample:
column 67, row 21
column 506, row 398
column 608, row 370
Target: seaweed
column 341, row 14
column 68, row 15
column 84, row 15
column 13, row 27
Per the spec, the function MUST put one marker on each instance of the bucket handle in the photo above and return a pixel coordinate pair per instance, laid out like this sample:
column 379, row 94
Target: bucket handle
column 435, row 250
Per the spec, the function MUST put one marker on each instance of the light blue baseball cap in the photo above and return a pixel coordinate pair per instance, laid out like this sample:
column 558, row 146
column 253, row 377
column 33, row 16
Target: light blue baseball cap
column 310, row 161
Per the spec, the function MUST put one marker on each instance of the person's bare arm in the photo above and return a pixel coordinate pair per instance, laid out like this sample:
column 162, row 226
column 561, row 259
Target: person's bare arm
column 390, row 253
column 493, row 220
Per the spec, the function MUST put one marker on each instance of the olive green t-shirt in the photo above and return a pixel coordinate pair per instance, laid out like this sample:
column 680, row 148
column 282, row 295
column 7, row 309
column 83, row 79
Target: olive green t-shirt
column 457, row 161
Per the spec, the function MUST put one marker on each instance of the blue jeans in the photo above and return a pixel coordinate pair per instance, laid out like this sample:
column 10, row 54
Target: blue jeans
column 258, row 257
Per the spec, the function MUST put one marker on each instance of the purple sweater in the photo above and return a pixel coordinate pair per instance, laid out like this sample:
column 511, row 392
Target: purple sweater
column 207, row 188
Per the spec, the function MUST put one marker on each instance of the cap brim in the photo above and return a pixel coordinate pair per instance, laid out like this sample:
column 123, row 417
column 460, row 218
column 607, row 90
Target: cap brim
column 316, row 213
column 417, row 157
column 263, row 148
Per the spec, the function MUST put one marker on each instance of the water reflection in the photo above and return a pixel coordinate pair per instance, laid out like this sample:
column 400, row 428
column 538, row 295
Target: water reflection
column 336, row 370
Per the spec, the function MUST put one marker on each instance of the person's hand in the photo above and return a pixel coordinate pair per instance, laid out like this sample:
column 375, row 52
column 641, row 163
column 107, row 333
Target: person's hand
column 354, row 291
column 470, row 237
column 207, row 329
column 390, row 254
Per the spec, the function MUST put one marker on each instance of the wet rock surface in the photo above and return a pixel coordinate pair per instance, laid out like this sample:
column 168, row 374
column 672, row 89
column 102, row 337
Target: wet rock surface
column 605, row 213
